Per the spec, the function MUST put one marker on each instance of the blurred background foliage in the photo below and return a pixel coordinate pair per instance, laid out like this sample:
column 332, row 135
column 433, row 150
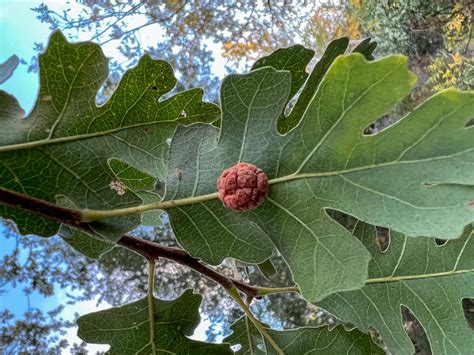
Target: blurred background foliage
column 435, row 35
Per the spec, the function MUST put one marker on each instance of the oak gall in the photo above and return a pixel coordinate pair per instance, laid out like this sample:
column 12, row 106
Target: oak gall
column 242, row 187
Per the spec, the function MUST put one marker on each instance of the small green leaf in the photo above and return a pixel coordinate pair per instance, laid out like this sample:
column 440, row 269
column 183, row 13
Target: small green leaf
column 428, row 279
column 126, row 329
column 305, row 340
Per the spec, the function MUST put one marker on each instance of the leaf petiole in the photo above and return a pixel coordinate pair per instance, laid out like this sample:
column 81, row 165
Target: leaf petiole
column 263, row 291
column 151, row 303
column 234, row 294
column 94, row 215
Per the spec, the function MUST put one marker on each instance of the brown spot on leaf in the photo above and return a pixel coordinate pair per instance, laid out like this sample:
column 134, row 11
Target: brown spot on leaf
column 471, row 204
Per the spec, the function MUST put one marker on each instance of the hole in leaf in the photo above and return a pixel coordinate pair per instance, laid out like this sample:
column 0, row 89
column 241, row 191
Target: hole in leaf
column 236, row 347
column 382, row 239
column 369, row 130
column 382, row 123
column 440, row 242
column 292, row 102
column 261, row 347
column 415, row 331
column 377, row 338
column 470, row 123
column 343, row 219
column 468, row 306
column 391, row 117
column 107, row 88
column 154, row 88
column 159, row 187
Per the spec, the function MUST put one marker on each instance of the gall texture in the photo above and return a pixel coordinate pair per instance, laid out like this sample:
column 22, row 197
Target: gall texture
column 242, row 187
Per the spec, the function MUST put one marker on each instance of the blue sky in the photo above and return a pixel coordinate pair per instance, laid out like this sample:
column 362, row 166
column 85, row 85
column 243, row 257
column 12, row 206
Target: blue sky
column 19, row 31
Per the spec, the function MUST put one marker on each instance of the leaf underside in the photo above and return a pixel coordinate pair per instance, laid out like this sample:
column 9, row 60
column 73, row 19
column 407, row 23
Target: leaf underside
column 306, row 131
column 143, row 185
column 72, row 139
column 88, row 245
column 127, row 328
column 305, row 340
column 416, row 273
column 414, row 177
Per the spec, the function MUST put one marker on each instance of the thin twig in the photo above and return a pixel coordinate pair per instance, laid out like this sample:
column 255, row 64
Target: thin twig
column 97, row 35
column 161, row 20
column 234, row 294
column 153, row 250
column 46, row 209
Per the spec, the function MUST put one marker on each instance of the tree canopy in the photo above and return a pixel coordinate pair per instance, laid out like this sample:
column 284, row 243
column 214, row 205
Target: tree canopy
column 244, row 38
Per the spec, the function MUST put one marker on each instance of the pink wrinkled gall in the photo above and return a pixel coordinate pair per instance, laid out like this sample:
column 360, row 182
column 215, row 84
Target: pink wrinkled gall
column 242, row 187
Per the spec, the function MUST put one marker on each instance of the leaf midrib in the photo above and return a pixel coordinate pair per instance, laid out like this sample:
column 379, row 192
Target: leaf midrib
column 79, row 137
column 417, row 277
column 295, row 175
column 47, row 141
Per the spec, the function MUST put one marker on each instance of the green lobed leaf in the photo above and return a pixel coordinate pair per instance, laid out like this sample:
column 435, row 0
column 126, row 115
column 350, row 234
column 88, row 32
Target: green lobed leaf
column 63, row 146
column 415, row 177
column 430, row 280
column 127, row 328
column 305, row 340
column 295, row 59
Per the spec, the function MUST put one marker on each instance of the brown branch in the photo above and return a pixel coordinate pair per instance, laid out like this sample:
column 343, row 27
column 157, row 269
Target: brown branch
column 45, row 209
column 145, row 248
column 153, row 250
